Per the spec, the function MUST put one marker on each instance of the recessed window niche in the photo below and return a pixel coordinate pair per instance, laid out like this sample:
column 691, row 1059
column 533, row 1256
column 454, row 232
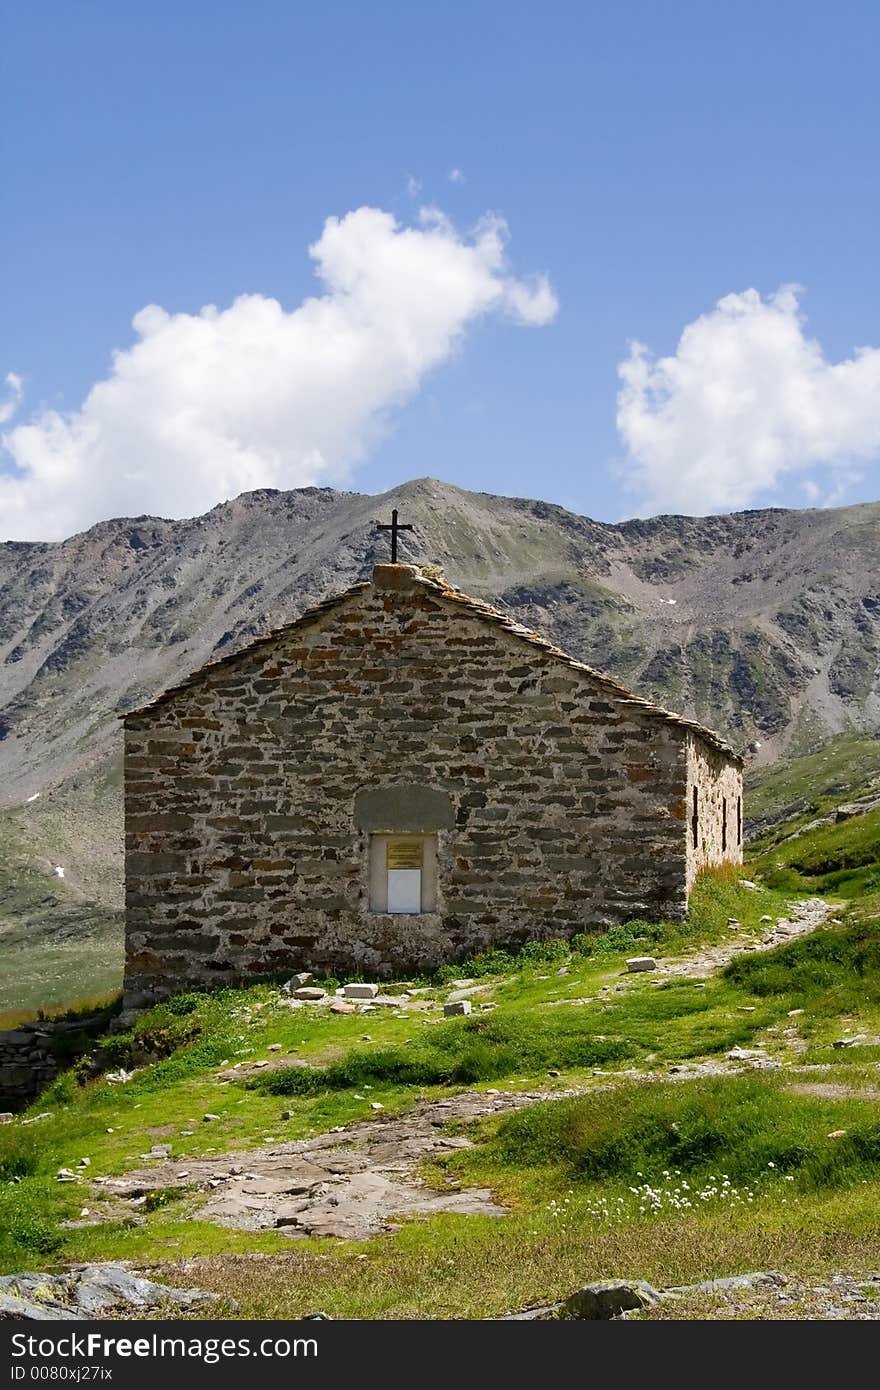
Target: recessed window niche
column 401, row 822
column 403, row 873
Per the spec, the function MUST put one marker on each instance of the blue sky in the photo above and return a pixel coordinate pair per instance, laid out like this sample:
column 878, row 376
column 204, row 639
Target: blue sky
column 650, row 160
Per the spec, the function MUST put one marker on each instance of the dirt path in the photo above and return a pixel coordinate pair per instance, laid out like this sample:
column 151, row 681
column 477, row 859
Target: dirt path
column 806, row 916
column 352, row 1182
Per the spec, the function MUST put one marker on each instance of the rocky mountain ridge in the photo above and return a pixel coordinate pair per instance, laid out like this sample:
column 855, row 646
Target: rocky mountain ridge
column 764, row 624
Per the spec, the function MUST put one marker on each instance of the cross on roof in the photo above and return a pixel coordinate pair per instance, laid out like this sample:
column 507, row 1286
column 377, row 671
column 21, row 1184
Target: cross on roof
column 395, row 528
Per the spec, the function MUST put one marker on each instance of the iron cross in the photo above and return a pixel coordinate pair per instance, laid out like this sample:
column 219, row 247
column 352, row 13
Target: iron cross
column 395, row 528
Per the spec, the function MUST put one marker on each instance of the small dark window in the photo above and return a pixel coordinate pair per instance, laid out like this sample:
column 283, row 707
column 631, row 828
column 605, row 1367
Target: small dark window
column 695, row 822
column 723, row 824
column 739, row 820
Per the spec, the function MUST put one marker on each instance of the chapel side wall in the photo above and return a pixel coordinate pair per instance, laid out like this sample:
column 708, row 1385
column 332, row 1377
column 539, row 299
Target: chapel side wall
column 243, row 857
column 718, row 782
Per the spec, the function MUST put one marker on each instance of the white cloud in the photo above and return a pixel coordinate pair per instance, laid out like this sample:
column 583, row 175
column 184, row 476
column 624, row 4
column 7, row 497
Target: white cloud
column 13, row 400
column 205, row 406
column 747, row 400
column 413, row 185
column 456, row 175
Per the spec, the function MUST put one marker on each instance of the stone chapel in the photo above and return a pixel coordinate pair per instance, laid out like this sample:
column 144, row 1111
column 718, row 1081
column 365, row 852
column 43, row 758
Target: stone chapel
column 401, row 777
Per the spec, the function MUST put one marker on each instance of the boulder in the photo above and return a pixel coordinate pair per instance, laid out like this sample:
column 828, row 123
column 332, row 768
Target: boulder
column 460, row 1006
column 310, row 992
column 88, row 1293
column 607, row 1299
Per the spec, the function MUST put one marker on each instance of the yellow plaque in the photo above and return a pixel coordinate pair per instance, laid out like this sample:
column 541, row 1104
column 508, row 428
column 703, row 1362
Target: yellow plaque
column 404, row 854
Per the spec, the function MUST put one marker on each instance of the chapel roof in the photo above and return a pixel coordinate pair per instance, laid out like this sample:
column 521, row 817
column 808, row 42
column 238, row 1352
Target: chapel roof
column 475, row 608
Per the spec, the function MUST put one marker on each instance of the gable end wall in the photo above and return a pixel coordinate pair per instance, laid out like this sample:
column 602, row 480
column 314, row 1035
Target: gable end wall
column 244, row 852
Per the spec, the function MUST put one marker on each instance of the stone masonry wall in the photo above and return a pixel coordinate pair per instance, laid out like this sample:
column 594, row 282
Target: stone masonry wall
column 33, row 1054
column 27, row 1064
column 718, row 784
column 244, row 856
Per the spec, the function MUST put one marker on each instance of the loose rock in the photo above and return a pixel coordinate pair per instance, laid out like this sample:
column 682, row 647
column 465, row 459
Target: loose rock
column 636, row 963
column 361, row 991
column 297, row 981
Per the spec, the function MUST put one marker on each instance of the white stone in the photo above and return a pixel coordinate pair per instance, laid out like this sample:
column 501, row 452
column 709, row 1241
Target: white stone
column 641, row 963
column 470, row 990
column 460, row 1006
column 309, row 992
column 360, row 991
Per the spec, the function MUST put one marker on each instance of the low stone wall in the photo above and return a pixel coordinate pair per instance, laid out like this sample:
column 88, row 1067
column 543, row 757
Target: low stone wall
column 27, row 1064
column 32, row 1055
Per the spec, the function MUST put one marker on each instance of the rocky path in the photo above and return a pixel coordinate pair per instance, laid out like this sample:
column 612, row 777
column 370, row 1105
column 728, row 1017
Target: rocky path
column 806, row 916
column 347, row 1183
column 352, row 1182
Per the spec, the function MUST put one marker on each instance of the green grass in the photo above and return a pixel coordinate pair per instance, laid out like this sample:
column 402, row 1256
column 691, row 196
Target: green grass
column 183, row 1050
column 840, row 860
column 743, row 1128
column 833, row 973
column 461, row 1054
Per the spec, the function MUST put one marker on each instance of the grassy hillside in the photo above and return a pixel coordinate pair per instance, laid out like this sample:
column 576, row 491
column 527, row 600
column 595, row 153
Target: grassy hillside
column 60, row 938
column 795, row 790
column 661, row 1163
